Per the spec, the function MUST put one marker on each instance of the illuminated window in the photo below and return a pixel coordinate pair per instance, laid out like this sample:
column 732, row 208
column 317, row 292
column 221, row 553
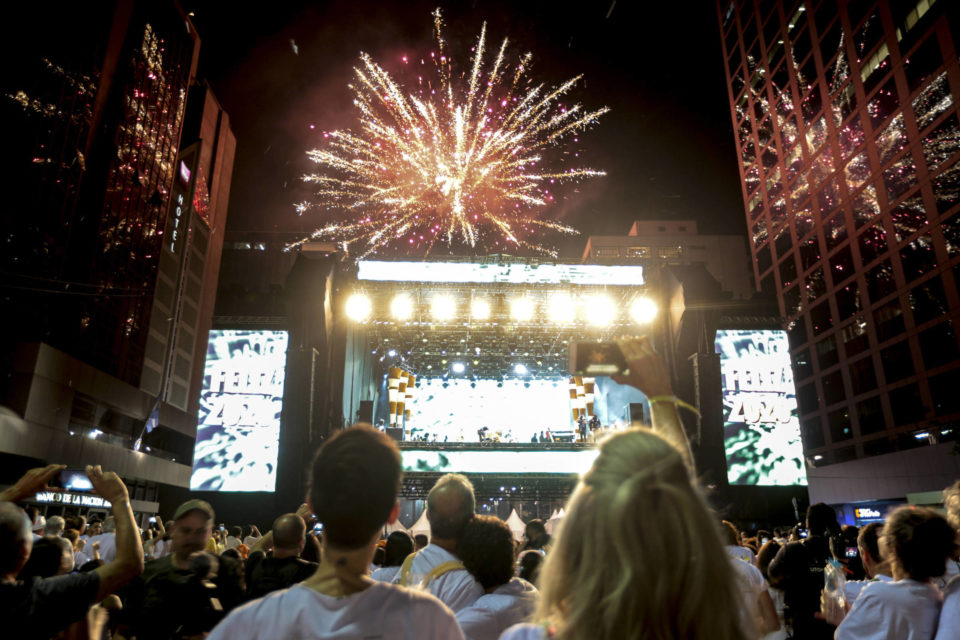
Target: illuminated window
column 668, row 253
column 638, row 252
column 607, row 252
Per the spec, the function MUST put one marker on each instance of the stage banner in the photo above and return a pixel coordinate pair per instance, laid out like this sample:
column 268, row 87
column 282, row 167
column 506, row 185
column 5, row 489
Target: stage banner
column 761, row 426
column 238, row 429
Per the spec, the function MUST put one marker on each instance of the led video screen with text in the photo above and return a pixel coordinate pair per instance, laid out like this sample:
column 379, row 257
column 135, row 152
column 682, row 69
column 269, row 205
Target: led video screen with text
column 238, row 428
column 761, row 430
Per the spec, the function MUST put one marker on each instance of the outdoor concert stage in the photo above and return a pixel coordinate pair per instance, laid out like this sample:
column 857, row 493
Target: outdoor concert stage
column 445, row 354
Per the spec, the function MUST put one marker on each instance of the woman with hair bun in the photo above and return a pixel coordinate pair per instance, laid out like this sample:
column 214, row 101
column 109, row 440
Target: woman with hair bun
column 639, row 554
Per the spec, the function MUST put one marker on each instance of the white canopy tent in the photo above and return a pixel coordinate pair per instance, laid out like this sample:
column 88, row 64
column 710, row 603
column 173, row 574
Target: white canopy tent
column 516, row 524
column 422, row 525
column 554, row 522
column 396, row 526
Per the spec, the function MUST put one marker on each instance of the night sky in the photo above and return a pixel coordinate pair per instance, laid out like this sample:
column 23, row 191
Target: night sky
column 667, row 143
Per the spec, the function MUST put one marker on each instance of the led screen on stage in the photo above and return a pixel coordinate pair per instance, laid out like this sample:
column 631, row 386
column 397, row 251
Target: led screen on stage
column 761, row 431
column 454, row 410
column 238, row 430
column 559, row 462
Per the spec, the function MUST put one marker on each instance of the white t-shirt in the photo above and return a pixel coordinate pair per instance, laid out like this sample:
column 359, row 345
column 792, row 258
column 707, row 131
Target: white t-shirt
column 386, row 574
column 780, row 634
column 492, row 613
column 902, row 610
column 457, row 589
column 161, row 548
column 751, row 584
column 853, row 588
column 382, row 611
column 108, row 546
column 251, row 540
column 742, row 553
column 232, row 543
column 949, row 627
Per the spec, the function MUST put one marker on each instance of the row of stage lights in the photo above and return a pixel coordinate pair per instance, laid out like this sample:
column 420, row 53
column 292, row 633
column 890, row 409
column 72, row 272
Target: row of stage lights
column 597, row 310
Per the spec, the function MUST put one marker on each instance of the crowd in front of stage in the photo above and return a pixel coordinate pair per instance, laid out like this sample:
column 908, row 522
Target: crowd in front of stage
column 639, row 555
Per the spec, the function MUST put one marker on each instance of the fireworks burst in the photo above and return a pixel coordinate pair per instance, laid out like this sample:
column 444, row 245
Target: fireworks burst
column 459, row 159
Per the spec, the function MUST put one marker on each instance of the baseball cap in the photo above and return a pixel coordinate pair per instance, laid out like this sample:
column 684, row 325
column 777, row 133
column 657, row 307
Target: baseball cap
column 41, row 523
column 194, row 505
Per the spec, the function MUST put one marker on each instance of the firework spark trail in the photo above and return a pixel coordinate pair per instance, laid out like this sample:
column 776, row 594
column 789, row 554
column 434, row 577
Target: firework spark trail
column 453, row 161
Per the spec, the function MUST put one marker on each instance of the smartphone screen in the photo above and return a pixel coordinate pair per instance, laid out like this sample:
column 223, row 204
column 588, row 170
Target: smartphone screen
column 852, row 552
column 75, row 480
column 597, row 359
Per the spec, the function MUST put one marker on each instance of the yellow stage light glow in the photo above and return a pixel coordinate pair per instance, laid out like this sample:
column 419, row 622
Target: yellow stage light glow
column 563, row 310
column 643, row 310
column 599, row 311
column 401, row 307
column 358, row 307
column 521, row 309
column 480, row 309
column 443, row 308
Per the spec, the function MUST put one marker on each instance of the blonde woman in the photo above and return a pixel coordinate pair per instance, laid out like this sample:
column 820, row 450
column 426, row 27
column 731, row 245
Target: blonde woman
column 639, row 554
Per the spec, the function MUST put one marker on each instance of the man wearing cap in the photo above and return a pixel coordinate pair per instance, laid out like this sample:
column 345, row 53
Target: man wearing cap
column 187, row 592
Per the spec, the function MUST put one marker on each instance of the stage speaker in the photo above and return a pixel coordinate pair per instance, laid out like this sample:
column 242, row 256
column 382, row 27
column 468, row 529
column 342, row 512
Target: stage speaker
column 365, row 412
column 635, row 414
column 395, row 433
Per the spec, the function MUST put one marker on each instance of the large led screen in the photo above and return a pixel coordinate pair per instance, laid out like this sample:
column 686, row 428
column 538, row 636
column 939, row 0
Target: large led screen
column 761, row 431
column 559, row 462
column 238, row 430
column 512, row 410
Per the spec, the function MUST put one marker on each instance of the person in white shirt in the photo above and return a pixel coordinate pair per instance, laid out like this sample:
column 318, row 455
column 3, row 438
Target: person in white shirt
column 234, row 539
column 399, row 546
column 354, row 484
column 486, row 550
column 639, row 554
column 734, row 548
column 949, row 627
column 436, row 567
column 916, row 541
column 876, row 568
column 107, row 540
column 253, row 537
column 756, row 606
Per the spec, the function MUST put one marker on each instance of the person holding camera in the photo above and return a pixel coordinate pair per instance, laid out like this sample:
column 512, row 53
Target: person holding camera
column 186, row 593
column 40, row 608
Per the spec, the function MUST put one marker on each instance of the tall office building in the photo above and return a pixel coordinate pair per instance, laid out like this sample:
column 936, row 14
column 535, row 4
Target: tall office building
column 118, row 164
column 845, row 114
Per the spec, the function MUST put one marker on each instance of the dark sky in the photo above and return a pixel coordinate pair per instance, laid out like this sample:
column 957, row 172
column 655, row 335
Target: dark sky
column 667, row 143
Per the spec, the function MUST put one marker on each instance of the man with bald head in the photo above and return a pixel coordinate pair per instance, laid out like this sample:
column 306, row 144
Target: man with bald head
column 436, row 567
column 284, row 568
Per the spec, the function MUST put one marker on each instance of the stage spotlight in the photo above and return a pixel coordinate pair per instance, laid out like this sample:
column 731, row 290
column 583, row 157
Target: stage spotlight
column 443, row 308
column 401, row 307
column 643, row 310
column 358, row 307
column 520, row 369
column 458, row 367
column 521, row 309
column 600, row 311
column 391, row 353
column 480, row 309
column 562, row 308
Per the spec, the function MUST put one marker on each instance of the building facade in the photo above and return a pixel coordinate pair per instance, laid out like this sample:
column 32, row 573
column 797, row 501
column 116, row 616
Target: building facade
column 122, row 167
column 846, row 123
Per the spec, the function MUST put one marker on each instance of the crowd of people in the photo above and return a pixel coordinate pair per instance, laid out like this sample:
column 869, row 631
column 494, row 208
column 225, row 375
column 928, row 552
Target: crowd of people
column 640, row 554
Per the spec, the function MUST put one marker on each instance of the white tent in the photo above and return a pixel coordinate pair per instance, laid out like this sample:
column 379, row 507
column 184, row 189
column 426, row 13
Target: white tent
column 517, row 525
column 396, row 526
column 422, row 525
column 552, row 525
